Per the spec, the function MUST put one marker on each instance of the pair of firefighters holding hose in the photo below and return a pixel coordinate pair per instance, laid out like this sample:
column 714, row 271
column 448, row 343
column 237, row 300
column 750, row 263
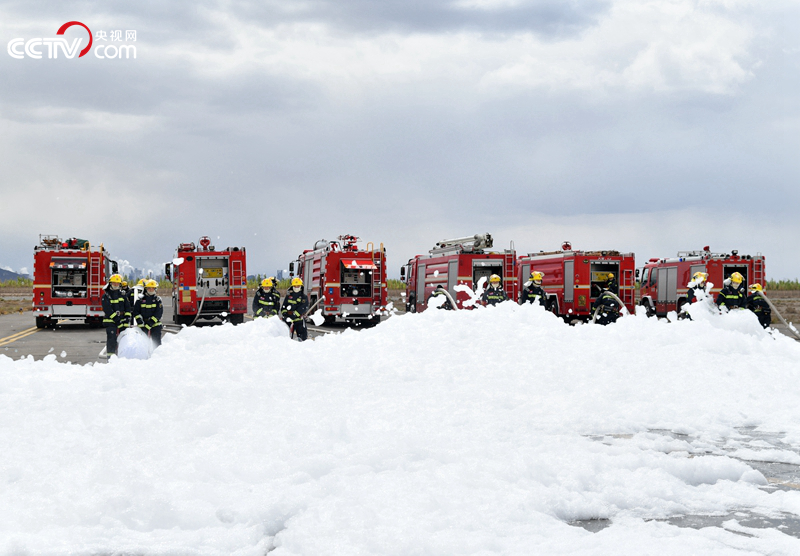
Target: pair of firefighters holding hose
column 124, row 308
column 731, row 296
column 267, row 303
column 606, row 307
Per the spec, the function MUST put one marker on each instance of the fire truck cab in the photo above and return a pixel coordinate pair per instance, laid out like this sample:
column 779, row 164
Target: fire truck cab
column 352, row 280
column 453, row 262
column 68, row 280
column 208, row 284
column 663, row 282
column 573, row 279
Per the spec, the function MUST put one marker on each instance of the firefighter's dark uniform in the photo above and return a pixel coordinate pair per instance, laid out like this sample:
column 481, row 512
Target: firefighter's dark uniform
column 691, row 297
column 266, row 303
column 761, row 308
column 731, row 297
column 493, row 296
column 533, row 294
column 294, row 306
column 439, row 292
column 606, row 307
column 147, row 313
column 117, row 316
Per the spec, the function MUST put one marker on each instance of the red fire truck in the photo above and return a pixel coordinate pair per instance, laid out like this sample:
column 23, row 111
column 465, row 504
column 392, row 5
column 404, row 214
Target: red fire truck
column 68, row 280
column 352, row 280
column 453, row 262
column 663, row 282
column 208, row 284
column 572, row 279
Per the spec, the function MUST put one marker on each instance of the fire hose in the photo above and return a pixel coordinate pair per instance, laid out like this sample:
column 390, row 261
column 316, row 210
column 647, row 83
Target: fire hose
column 303, row 316
column 621, row 304
column 791, row 328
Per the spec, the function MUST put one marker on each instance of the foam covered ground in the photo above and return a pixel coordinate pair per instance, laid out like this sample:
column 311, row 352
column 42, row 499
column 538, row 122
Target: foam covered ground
column 468, row 432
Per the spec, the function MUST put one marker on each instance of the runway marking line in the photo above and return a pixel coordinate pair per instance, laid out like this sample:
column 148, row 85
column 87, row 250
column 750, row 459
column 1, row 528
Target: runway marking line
column 14, row 337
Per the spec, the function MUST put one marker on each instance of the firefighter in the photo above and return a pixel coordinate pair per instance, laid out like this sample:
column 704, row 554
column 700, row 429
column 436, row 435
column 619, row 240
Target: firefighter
column 533, row 292
column 117, row 312
column 267, row 300
column 440, row 292
column 756, row 303
column 732, row 295
column 495, row 293
column 698, row 283
column 293, row 309
column 613, row 286
column 148, row 312
column 606, row 307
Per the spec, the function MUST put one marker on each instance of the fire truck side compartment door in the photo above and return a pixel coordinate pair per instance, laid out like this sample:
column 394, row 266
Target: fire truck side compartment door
column 668, row 284
column 421, row 284
column 569, row 281
column 452, row 276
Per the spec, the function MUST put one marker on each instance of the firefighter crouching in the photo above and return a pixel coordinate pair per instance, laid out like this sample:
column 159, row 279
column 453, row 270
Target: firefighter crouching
column 148, row 312
column 294, row 306
column 756, row 303
column 267, row 300
column 495, row 293
column 438, row 293
column 533, row 292
column 606, row 308
column 117, row 312
column 732, row 295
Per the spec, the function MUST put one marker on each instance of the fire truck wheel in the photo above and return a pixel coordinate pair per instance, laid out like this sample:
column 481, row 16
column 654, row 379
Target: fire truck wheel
column 236, row 318
column 648, row 308
column 41, row 322
column 411, row 306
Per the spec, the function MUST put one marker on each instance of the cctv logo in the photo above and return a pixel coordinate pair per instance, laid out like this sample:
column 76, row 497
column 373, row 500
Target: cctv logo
column 33, row 48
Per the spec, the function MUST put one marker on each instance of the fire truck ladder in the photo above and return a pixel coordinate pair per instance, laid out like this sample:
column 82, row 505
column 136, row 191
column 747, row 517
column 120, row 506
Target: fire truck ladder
column 95, row 271
column 758, row 272
column 237, row 289
column 508, row 266
column 627, row 287
column 376, row 274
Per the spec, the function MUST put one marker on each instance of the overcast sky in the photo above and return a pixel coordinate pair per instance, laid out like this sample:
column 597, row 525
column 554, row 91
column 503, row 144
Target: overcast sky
column 651, row 127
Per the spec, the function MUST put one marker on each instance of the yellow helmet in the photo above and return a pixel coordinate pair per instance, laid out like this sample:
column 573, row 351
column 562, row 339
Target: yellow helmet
column 756, row 288
column 115, row 279
column 610, row 276
column 701, row 276
column 737, row 278
column 537, row 276
column 296, row 282
column 140, row 282
column 124, row 284
column 494, row 278
column 266, row 283
column 151, row 284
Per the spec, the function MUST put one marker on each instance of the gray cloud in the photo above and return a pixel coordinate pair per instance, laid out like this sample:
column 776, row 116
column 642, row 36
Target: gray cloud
column 147, row 154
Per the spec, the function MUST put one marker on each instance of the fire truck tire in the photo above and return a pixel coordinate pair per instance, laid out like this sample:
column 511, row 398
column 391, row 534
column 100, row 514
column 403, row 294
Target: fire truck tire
column 236, row 318
column 42, row 322
column 648, row 307
column 411, row 306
